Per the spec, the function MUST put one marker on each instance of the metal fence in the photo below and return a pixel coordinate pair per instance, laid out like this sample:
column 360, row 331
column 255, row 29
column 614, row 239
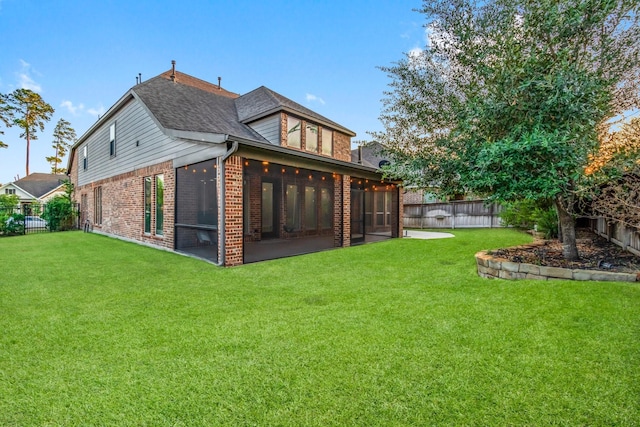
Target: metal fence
column 454, row 214
column 38, row 218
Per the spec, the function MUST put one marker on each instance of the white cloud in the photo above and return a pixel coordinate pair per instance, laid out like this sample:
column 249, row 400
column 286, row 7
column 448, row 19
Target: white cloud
column 313, row 98
column 99, row 111
column 73, row 109
column 25, row 81
column 415, row 53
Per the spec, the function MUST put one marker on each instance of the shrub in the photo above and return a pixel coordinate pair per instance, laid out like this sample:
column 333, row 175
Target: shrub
column 530, row 214
column 59, row 213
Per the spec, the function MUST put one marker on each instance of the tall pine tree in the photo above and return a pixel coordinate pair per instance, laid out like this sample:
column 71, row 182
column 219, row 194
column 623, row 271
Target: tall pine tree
column 63, row 137
column 30, row 114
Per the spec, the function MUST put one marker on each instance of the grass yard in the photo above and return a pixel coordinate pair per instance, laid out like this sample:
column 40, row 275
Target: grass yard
column 96, row 331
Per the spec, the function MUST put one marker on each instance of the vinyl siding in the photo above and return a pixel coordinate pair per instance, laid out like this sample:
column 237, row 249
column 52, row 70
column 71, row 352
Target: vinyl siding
column 133, row 124
column 269, row 128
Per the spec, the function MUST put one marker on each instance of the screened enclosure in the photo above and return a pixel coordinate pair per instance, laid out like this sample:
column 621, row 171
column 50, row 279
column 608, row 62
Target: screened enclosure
column 196, row 210
column 372, row 204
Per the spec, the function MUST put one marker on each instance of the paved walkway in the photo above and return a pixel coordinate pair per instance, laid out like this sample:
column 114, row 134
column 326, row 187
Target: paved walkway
column 416, row 234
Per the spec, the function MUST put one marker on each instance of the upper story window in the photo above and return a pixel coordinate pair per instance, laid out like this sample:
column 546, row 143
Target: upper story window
column 85, row 157
column 327, row 142
column 311, row 137
column 112, row 139
column 9, row 191
column 293, row 132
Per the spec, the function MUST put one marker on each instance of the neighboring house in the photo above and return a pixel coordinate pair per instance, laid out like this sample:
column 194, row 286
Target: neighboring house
column 35, row 188
column 186, row 165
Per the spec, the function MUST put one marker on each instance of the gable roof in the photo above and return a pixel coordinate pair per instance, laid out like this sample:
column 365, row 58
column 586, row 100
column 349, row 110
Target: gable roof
column 39, row 184
column 188, row 107
column 190, row 104
column 263, row 101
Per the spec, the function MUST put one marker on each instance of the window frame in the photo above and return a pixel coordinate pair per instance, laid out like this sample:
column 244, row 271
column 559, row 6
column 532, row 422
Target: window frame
column 324, row 144
column 159, row 204
column 97, row 205
column 292, row 131
column 112, row 139
column 147, row 201
column 311, row 129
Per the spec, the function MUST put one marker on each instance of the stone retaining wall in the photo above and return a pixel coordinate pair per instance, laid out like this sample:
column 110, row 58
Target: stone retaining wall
column 493, row 267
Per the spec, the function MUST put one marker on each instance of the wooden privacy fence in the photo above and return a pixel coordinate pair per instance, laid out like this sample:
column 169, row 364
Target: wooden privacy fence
column 455, row 214
column 628, row 238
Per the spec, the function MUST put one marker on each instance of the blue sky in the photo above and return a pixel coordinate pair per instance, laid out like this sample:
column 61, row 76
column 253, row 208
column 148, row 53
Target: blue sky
column 82, row 56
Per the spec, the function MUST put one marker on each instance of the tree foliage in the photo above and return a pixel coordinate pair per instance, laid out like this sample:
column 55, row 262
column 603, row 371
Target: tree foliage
column 617, row 166
column 30, row 114
column 6, row 116
column 63, row 137
column 508, row 98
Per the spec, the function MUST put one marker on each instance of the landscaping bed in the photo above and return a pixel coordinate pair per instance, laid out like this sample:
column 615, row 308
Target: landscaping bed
column 596, row 253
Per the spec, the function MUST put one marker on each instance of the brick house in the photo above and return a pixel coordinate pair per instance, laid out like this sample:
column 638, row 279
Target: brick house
column 186, row 165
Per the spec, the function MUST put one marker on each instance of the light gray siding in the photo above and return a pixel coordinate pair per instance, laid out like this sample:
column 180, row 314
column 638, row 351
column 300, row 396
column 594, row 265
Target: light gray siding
column 269, row 128
column 139, row 143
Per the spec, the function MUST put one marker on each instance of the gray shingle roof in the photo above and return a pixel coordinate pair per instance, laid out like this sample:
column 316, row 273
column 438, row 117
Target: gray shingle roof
column 39, row 184
column 181, row 106
column 263, row 101
column 371, row 154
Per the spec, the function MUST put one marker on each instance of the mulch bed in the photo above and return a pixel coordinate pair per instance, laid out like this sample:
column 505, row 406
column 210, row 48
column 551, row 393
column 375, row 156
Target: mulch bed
column 596, row 253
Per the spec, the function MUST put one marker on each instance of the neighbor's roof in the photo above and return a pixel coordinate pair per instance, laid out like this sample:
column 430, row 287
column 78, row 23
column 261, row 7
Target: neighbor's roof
column 371, row 153
column 39, row 184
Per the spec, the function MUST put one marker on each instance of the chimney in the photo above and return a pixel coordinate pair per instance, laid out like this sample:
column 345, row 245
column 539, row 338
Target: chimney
column 360, row 154
column 219, row 80
column 173, row 71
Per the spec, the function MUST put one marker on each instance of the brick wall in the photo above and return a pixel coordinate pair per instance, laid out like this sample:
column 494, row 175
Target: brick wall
column 346, row 210
column 123, row 203
column 413, row 197
column 233, row 211
column 341, row 146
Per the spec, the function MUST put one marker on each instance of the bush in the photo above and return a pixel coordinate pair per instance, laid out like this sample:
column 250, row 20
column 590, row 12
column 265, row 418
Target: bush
column 529, row 214
column 59, row 213
column 11, row 224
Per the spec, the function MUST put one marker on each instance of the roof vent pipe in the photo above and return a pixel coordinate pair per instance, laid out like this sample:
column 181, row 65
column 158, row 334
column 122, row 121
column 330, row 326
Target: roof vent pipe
column 219, row 80
column 140, row 77
column 360, row 154
column 173, row 70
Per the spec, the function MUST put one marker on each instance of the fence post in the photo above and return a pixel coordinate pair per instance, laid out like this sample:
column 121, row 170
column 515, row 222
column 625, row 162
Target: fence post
column 453, row 216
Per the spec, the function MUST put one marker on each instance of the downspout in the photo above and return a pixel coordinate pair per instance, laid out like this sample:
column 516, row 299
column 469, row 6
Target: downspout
column 223, row 202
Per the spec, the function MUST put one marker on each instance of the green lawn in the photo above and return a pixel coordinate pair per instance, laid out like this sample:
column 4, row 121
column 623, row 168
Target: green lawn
column 96, row 331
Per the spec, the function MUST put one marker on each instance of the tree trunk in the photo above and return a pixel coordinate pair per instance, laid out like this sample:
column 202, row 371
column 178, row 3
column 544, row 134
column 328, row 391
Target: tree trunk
column 568, row 228
column 28, row 141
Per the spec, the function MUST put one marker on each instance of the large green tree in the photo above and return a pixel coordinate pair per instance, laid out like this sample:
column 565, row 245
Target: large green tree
column 508, row 98
column 63, row 137
column 31, row 112
column 6, row 116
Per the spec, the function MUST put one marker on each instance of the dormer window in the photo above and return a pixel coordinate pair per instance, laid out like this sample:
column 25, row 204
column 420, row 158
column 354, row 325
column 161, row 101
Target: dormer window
column 327, row 142
column 311, row 137
column 293, row 132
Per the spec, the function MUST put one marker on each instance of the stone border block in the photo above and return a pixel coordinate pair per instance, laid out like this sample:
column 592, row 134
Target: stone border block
column 491, row 268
